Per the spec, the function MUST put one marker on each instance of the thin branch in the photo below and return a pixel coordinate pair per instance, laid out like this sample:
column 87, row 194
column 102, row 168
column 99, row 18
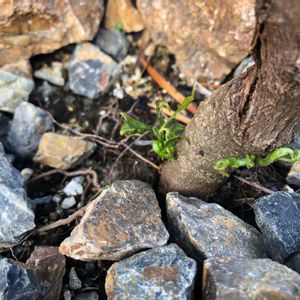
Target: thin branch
column 254, row 185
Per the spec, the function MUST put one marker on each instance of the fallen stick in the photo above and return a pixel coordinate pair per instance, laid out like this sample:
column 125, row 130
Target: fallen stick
column 254, row 185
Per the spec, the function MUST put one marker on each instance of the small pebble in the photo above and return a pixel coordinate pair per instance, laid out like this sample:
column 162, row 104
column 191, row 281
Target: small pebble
column 68, row 202
column 74, row 281
column 27, row 173
column 56, row 198
column 74, row 187
column 67, row 295
column 118, row 93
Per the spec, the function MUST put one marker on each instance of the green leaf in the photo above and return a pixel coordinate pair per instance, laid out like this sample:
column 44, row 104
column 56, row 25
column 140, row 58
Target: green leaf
column 132, row 126
column 283, row 154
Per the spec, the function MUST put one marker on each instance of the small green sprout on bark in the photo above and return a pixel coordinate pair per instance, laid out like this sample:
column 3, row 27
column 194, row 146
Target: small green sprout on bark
column 166, row 134
column 250, row 160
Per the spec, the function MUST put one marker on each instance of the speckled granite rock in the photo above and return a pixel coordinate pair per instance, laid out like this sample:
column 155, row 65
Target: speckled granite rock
column 123, row 220
column 40, row 278
column 16, row 216
column 91, row 72
column 208, row 38
column 205, row 230
column 32, row 27
column 278, row 217
column 62, row 151
column 293, row 177
column 124, row 15
column 249, row 279
column 160, row 273
column 27, row 127
column 16, row 84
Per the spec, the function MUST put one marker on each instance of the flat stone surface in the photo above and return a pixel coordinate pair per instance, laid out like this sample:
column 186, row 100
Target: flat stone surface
column 62, row 151
column 204, row 230
column 208, row 38
column 16, row 84
column 50, row 25
column 40, row 278
column 112, row 42
column 16, row 216
column 28, row 125
column 53, row 74
column 124, row 15
column 123, row 220
column 160, row 273
column 91, row 72
column 249, row 279
column 293, row 177
column 278, row 217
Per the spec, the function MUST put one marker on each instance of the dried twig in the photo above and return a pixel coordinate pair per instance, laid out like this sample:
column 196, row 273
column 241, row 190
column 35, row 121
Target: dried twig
column 254, row 185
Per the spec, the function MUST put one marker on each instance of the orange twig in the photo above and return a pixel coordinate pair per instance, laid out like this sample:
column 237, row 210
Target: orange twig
column 163, row 83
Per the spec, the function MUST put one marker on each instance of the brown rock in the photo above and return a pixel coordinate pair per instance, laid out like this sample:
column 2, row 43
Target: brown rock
column 33, row 27
column 122, row 13
column 61, row 151
column 249, row 279
column 123, row 220
column 294, row 174
column 208, row 39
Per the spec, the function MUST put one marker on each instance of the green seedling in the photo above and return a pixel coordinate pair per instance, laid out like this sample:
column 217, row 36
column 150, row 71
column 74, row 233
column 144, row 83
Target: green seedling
column 166, row 134
column 119, row 25
column 250, row 160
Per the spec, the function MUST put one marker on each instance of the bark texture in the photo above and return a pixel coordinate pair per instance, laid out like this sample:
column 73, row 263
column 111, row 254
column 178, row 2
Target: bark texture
column 254, row 113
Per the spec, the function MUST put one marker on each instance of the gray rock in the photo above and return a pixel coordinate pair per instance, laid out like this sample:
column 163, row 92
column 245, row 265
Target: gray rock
column 245, row 64
column 16, row 84
column 249, row 279
column 160, row 273
column 205, row 230
column 278, row 217
column 112, row 42
column 293, row 176
column 28, row 126
column 294, row 262
column 124, row 219
column 40, row 278
column 16, row 216
column 74, row 187
column 91, row 72
column 67, row 295
column 87, row 296
column 53, row 74
column 74, row 281
column 68, row 202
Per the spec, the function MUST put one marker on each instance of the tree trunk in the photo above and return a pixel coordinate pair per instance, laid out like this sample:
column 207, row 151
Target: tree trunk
column 252, row 114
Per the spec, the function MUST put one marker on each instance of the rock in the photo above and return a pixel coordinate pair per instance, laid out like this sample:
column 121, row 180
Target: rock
column 294, row 262
column 204, row 230
column 74, row 187
column 123, row 15
column 244, row 66
column 53, row 74
column 112, row 42
column 74, row 281
column 67, row 295
column 40, row 278
column 278, row 217
column 29, row 124
column 123, row 220
column 33, row 27
column 16, row 84
column 62, row 151
column 293, row 177
column 118, row 92
column 27, row 173
column 16, row 216
column 228, row 278
column 209, row 39
column 48, row 267
column 91, row 72
column 68, row 202
column 160, row 273
column 87, row 296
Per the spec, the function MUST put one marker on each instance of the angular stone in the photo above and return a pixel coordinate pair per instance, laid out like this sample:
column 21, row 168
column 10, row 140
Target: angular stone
column 249, row 279
column 123, row 15
column 160, row 273
column 278, row 217
column 112, row 42
column 62, row 151
column 123, row 220
column 91, row 72
column 29, row 124
column 204, row 230
column 40, row 278
column 53, row 73
column 293, row 177
column 16, row 216
column 16, row 84
column 32, row 27
column 208, row 39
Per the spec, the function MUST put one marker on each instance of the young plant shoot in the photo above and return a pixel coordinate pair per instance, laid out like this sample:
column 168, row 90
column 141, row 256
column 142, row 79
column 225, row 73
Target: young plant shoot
column 166, row 134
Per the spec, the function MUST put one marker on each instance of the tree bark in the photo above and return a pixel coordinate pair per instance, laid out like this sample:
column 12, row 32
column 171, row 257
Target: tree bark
column 252, row 114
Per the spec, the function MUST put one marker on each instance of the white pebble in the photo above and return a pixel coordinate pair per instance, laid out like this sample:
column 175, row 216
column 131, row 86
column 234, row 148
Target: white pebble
column 74, row 187
column 68, row 202
column 26, row 173
column 118, row 93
